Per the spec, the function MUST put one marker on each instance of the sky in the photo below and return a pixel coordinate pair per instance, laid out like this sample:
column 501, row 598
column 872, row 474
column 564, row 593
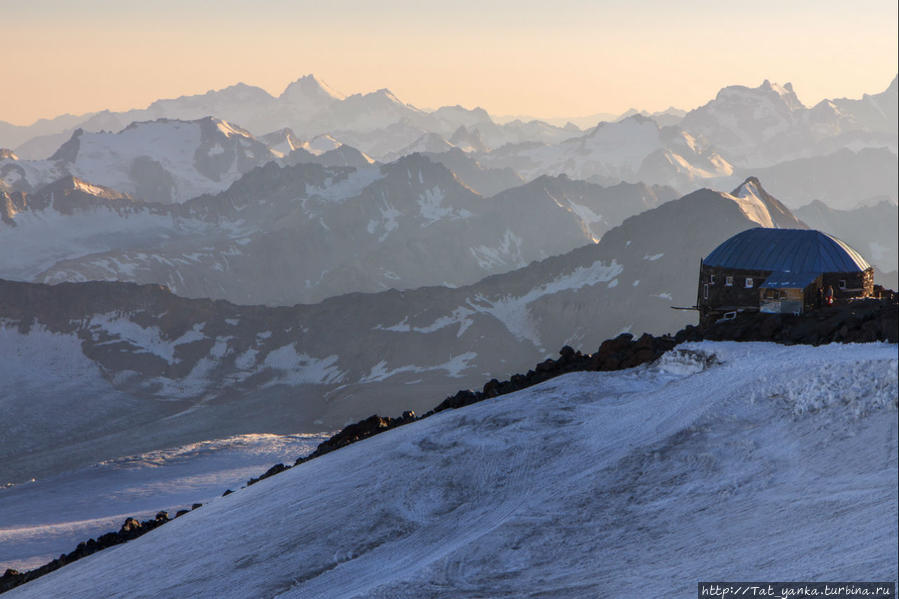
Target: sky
column 525, row 57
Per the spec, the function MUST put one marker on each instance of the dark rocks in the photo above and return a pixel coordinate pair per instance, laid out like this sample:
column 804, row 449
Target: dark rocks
column 860, row 321
column 180, row 513
column 491, row 388
column 227, row 492
column 355, row 432
column 130, row 529
column 129, row 526
column 276, row 469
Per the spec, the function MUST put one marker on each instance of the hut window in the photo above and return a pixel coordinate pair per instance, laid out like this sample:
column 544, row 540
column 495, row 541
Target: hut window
column 748, row 282
column 842, row 284
column 712, row 279
column 729, row 281
column 705, row 291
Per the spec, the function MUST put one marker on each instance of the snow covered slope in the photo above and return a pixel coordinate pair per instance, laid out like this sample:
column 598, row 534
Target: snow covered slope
column 768, row 124
column 635, row 149
column 165, row 161
column 46, row 517
column 723, row 461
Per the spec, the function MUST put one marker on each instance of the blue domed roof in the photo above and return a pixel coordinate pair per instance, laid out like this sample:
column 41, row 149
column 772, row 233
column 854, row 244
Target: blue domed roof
column 787, row 250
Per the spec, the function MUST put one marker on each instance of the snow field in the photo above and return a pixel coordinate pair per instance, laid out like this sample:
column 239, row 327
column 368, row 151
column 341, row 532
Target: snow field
column 724, row 461
column 45, row 518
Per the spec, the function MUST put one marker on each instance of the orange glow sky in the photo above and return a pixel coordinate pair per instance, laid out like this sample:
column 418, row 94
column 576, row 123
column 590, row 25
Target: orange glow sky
column 548, row 59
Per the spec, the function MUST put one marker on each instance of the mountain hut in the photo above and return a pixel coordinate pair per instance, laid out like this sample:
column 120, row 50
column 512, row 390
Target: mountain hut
column 780, row 271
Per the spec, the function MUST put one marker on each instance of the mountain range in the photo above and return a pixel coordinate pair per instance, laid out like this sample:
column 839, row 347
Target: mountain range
column 304, row 232
column 163, row 161
column 376, row 122
column 193, row 288
column 742, row 127
column 189, row 369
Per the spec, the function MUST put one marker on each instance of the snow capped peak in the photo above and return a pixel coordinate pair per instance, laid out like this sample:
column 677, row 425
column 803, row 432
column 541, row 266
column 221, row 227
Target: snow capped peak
column 7, row 154
column 387, row 94
column 310, row 87
column 228, row 130
column 750, row 187
column 743, row 94
column 632, row 121
column 761, row 207
column 240, row 91
column 345, row 155
column 429, row 142
column 68, row 151
column 71, row 183
column 469, row 140
column 283, row 141
column 321, row 144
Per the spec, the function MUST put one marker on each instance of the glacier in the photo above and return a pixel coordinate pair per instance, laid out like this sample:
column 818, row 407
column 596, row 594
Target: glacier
column 721, row 461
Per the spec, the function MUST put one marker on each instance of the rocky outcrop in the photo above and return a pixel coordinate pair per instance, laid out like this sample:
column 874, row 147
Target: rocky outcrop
column 130, row 529
column 858, row 322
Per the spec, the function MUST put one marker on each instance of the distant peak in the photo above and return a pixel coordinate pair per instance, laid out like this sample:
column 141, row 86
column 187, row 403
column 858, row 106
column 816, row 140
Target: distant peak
column 386, row 93
column 751, row 186
column 71, row 183
column 310, row 87
column 785, row 92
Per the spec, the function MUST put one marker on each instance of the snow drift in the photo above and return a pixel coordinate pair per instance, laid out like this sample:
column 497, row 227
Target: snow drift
column 764, row 462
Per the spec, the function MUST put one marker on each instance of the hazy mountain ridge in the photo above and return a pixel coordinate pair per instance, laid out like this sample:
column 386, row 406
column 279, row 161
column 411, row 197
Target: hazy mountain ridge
column 377, row 122
column 768, row 124
column 281, row 235
column 165, row 161
column 635, row 149
column 842, row 180
column 743, row 131
column 140, row 351
column 872, row 230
